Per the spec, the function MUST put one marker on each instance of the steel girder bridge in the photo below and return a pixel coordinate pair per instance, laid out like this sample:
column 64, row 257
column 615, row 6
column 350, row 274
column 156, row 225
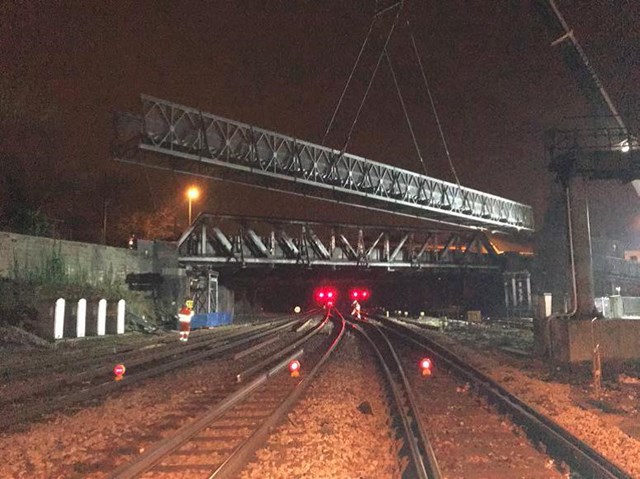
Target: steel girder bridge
column 187, row 140
column 219, row 242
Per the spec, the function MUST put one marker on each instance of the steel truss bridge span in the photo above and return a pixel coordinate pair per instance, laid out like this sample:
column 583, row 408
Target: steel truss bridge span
column 219, row 242
column 258, row 157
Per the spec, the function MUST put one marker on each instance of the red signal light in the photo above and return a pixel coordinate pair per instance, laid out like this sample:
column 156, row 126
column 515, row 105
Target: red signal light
column 118, row 371
column 361, row 294
column 426, row 365
column 294, row 368
column 326, row 295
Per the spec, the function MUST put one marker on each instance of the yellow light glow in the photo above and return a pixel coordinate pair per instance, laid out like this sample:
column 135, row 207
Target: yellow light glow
column 193, row 193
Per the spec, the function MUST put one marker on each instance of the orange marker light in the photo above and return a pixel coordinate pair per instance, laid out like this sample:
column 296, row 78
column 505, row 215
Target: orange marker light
column 118, row 371
column 294, row 368
column 425, row 365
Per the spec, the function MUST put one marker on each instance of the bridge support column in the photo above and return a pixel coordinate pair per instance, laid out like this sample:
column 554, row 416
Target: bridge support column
column 580, row 242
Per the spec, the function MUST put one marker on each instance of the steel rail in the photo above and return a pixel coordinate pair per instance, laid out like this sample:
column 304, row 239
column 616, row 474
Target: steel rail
column 417, row 439
column 130, row 345
column 29, row 412
column 245, row 451
column 262, row 364
column 147, row 357
column 166, row 447
column 559, row 442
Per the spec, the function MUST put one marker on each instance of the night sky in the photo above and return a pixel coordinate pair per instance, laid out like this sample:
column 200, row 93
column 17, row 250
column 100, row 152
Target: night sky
column 66, row 66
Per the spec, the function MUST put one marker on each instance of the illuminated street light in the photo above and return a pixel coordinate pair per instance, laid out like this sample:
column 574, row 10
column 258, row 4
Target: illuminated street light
column 192, row 194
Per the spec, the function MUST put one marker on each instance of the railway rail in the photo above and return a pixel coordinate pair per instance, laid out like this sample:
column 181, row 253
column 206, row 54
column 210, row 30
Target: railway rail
column 416, row 444
column 558, row 442
column 243, row 418
column 34, row 399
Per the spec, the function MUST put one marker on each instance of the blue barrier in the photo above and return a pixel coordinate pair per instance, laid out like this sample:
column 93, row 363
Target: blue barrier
column 210, row 320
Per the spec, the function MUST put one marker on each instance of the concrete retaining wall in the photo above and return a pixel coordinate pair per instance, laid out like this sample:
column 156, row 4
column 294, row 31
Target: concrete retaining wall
column 24, row 256
column 573, row 341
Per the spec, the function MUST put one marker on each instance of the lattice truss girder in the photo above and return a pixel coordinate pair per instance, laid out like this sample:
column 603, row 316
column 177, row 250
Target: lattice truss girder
column 255, row 155
column 227, row 241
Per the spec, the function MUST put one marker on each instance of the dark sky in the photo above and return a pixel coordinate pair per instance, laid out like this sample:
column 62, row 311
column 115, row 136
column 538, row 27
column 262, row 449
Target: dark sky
column 282, row 65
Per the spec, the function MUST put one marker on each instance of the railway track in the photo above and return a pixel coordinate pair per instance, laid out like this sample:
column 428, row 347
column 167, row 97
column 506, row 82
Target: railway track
column 36, row 399
column 219, row 442
column 417, row 454
column 558, row 442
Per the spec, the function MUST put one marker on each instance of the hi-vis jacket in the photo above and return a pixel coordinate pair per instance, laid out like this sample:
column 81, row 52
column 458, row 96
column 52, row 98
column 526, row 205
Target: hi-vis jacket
column 185, row 315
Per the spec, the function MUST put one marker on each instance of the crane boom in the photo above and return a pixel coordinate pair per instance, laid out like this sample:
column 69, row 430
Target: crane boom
column 617, row 139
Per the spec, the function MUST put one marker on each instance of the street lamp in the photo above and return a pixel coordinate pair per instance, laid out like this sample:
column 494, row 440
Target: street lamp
column 192, row 194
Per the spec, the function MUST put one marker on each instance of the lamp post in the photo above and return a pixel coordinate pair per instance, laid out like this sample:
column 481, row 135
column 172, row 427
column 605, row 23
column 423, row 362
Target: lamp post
column 192, row 194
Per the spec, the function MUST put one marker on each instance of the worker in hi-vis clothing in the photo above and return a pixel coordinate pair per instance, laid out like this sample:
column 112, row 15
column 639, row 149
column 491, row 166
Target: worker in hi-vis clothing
column 356, row 313
column 184, row 318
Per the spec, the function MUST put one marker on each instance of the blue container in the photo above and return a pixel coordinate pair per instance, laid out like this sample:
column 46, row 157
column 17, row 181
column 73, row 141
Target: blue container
column 211, row 320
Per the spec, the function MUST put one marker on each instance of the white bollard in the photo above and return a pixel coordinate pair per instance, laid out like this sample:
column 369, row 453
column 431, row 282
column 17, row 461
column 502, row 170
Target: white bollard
column 81, row 318
column 58, row 319
column 102, row 317
column 120, row 324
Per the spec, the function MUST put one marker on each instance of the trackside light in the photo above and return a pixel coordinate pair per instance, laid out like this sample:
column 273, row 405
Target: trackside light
column 330, row 294
column 321, row 294
column 425, row 365
column 294, row 368
column 118, row 371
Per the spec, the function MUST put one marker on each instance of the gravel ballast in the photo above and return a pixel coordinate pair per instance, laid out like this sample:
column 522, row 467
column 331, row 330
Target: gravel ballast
column 339, row 430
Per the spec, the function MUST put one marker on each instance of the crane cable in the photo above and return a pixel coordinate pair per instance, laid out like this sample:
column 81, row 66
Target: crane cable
column 346, row 86
column 373, row 75
column 433, row 106
column 406, row 113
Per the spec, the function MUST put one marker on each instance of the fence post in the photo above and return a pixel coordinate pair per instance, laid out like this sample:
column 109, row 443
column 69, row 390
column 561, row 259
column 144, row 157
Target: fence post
column 120, row 324
column 81, row 318
column 102, row 317
column 58, row 319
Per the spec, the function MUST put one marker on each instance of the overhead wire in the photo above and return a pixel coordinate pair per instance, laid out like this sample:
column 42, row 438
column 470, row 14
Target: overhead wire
column 433, row 106
column 406, row 113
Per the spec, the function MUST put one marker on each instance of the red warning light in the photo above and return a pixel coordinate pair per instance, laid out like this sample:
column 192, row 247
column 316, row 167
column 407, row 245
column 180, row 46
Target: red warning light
column 118, row 371
column 326, row 296
column 359, row 294
column 426, row 365
column 294, row 368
